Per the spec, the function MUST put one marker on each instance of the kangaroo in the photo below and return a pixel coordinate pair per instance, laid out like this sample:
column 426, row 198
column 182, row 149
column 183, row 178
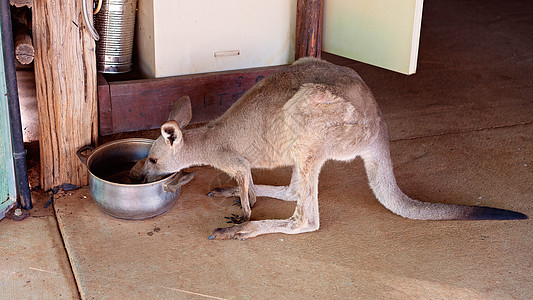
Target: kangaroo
column 302, row 116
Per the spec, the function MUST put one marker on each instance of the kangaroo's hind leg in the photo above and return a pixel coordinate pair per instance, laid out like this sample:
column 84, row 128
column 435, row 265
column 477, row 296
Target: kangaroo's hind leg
column 304, row 219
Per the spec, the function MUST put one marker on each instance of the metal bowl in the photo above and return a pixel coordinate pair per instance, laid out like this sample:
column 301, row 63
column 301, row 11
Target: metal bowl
column 116, row 193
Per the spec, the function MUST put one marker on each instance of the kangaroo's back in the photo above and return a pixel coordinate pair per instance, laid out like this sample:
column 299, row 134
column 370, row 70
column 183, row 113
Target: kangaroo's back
column 279, row 112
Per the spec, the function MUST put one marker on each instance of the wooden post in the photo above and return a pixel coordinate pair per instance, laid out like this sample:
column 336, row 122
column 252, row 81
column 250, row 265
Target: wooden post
column 308, row 28
column 65, row 77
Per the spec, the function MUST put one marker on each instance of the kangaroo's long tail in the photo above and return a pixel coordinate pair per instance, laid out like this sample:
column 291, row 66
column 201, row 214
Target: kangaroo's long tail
column 382, row 181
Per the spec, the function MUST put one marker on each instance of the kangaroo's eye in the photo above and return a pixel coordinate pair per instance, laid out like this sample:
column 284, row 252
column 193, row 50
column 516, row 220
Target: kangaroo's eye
column 153, row 160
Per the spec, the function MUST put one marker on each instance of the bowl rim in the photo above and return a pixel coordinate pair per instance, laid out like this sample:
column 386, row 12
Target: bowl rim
column 131, row 185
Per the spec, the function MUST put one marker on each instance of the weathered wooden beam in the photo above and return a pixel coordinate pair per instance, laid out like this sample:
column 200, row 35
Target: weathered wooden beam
column 144, row 104
column 65, row 71
column 308, row 28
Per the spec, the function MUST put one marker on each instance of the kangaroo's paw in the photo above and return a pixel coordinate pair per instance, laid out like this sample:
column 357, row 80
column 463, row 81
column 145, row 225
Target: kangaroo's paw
column 237, row 202
column 224, row 192
column 235, row 232
column 236, row 219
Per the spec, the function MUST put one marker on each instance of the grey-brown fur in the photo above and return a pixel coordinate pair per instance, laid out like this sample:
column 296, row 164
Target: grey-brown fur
column 303, row 116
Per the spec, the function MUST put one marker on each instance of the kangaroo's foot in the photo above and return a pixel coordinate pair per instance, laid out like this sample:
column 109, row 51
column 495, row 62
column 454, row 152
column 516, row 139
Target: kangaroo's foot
column 254, row 228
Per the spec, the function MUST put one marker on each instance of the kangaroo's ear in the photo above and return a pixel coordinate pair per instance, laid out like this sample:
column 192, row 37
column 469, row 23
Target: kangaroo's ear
column 171, row 132
column 181, row 111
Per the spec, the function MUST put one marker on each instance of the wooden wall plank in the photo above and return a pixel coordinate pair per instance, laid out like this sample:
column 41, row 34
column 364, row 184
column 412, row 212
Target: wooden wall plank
column 145, row 104
column 104, row 106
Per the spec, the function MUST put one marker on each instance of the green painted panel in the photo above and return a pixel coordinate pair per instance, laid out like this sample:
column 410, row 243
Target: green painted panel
column 383, row 33
column 7, row 175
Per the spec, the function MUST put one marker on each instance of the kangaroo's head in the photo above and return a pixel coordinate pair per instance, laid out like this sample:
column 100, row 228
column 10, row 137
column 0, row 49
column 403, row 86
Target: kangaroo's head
column 164, row 156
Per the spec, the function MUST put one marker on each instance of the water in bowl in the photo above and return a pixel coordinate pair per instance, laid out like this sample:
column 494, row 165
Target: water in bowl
column 118, row 172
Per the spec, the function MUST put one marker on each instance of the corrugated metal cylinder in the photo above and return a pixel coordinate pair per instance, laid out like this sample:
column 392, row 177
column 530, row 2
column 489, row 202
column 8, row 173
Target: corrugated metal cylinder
column 116, row 25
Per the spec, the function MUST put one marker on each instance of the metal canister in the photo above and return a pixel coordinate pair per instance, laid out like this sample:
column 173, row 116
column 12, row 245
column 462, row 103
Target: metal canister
column 115, row 24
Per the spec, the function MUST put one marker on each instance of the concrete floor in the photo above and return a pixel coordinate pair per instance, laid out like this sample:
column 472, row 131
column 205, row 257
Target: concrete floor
column 34, row 263
column 461, row 131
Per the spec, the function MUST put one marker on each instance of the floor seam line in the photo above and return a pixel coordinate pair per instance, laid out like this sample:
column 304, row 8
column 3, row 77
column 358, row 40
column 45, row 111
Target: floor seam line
column 461, row 131
column 66, row 252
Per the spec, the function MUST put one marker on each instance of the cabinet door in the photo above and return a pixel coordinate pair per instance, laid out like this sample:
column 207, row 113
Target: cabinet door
column 7, row 174
column 383, row 33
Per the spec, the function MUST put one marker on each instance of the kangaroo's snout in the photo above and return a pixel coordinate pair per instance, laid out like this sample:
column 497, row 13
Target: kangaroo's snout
column 137, row 170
